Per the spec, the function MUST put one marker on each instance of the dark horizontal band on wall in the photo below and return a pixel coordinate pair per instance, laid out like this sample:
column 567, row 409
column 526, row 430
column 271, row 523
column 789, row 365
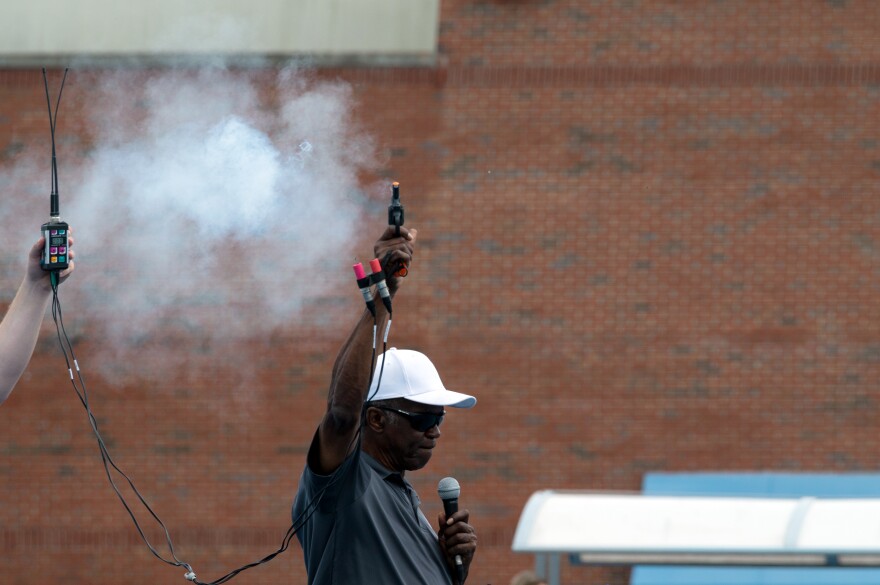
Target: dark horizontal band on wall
column 44, row 537
column 64, row 538
column 733, row 75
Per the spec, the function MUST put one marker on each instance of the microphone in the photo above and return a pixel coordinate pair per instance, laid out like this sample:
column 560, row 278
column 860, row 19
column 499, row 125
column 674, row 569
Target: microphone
column 449, row 490
column 378, row 278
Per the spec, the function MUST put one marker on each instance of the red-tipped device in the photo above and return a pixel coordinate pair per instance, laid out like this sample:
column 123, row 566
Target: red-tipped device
column 378, row 278
column 363, row 282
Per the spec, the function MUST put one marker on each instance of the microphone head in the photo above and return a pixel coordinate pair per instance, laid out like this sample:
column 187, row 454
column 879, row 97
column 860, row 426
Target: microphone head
column 448, row 489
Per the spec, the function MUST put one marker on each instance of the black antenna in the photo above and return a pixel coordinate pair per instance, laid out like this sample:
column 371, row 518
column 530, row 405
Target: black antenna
column 53, row 197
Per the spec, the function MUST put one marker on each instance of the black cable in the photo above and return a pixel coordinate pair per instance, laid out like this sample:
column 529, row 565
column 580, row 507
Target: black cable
column 338, row 475
column 106, row 459
column 54, row 125
column 53, row 122
column 82, row 393
column 381, row 368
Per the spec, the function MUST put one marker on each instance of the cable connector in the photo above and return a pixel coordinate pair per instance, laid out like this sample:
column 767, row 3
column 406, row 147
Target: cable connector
column 378, row 278
column 191, row 576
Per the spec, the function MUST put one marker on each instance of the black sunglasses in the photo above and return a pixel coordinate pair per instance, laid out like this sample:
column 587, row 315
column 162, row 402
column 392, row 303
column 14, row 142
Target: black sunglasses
column 420, row 421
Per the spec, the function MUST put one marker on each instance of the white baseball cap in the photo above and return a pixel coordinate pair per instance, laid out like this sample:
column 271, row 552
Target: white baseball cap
column 410, row 374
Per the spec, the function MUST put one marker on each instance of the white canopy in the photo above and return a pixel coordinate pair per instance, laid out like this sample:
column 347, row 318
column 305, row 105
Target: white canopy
column 602, row 528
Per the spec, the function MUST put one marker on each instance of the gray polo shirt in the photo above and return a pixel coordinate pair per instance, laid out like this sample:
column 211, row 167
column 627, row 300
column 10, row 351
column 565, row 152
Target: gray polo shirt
column 367, row 528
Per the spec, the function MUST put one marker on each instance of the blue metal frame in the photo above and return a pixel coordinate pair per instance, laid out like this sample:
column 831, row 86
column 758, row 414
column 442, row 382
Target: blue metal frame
column 824, row 485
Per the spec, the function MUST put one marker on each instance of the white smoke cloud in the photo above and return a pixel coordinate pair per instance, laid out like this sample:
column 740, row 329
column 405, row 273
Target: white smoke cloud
column 209, row 202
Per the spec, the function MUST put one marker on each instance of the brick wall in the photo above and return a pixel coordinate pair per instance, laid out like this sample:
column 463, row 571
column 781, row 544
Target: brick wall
column 648, row 241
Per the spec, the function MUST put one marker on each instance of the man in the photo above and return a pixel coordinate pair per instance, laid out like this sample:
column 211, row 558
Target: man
column 21, row 324
column 361, row 522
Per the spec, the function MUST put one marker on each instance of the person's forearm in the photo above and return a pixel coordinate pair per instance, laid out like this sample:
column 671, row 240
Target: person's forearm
column 348, row 386
column 19, row 331
column 351, row 372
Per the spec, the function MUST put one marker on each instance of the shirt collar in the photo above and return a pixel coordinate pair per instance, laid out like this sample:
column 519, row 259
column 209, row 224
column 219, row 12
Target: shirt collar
column 383, row 471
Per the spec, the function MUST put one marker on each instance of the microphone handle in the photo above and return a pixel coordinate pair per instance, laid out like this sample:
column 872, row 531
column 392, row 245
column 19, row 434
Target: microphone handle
column 450, row 507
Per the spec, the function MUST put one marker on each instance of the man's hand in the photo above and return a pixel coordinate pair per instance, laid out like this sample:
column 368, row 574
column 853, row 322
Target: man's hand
column 394, row 251
column 457, row 537
column 35, row 273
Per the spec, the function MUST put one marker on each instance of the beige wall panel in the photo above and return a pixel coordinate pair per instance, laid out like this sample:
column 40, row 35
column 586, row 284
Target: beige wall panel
column 321, row 28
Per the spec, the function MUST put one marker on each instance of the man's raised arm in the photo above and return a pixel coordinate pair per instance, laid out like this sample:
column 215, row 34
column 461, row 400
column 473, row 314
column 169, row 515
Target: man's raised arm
column 350, row 380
